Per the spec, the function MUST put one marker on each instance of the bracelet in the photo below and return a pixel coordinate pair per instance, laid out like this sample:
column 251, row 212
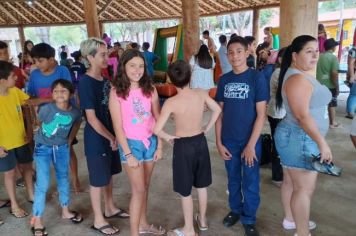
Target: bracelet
column 128, row 154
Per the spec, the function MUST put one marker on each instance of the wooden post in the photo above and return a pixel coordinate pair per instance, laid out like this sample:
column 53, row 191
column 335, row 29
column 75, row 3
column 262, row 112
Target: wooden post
column 255, row 24
column 101, row 28
column 21, row 35
column 190, row 27
column 297, row 17
column 91, row 18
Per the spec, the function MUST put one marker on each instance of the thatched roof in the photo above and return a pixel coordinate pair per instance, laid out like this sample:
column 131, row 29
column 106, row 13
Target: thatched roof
column 43, row 12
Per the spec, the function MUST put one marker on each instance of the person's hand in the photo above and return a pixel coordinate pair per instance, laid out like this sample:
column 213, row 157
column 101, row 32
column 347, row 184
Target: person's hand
column 113, row 144
column 170, row 139
column 158, row 154
column 132, row 161
column 3, row 152
column 249, row 154
column 224, row 153
column 325, row 153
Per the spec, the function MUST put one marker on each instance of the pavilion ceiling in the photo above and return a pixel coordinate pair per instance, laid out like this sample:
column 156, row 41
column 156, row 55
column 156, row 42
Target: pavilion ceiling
column 44, row 12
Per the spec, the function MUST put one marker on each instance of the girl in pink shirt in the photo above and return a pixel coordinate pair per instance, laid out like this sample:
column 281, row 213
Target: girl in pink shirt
column 134, row 108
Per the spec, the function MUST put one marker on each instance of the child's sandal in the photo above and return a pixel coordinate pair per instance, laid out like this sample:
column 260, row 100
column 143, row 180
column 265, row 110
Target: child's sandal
column 18, row 213
column 39, row 231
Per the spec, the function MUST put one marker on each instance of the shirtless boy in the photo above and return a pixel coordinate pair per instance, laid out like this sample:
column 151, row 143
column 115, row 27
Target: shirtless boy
column 191, row 160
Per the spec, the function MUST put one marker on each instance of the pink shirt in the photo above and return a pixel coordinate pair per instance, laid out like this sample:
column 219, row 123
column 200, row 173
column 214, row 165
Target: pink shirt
column 137, row 118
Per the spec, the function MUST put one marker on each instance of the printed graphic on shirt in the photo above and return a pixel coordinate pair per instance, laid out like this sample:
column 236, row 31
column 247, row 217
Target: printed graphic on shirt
column 59, row 121
column 236, row 90
column 139, row 111
column 105, row 98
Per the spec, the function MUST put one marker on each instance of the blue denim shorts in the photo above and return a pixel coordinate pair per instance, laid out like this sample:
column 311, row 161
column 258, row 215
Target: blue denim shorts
column 295, row 147
column 139, row 150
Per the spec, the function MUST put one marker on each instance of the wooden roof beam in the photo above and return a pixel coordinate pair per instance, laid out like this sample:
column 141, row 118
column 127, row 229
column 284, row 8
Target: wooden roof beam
column 174, row 5
column 127, row 13
column 146, row 8
column 157, row 8
column 134, row 7
column 60, row 2
column 26, row 10
column 103, row 9
column 207, row 6
column 8, row 14
column 18, row 12
column 75, row 4
column 48, row 11
column 118, row 12
column 59, row 11
column 170, row 8
column 41, row 14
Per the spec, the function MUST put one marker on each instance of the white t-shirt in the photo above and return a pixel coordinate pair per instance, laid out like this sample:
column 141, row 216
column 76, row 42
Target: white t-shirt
column 353, row 127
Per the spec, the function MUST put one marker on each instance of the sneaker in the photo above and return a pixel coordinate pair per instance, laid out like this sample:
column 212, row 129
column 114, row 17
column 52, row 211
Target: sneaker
column 231, row 219
column 250, row 230
column 288, row 225
column 277, row 183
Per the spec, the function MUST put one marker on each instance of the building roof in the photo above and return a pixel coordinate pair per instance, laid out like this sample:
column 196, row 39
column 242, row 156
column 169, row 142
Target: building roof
column 44, row 12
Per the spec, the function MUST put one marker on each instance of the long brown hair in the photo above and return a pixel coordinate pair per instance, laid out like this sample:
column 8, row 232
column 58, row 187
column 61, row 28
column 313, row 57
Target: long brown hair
column 122, row 83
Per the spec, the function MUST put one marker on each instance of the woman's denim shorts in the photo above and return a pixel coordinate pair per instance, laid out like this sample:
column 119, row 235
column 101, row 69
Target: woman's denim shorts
column 139, row 151
column 294, row 146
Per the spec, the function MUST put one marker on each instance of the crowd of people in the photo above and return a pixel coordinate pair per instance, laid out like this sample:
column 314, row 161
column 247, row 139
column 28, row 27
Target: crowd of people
column 124, row 126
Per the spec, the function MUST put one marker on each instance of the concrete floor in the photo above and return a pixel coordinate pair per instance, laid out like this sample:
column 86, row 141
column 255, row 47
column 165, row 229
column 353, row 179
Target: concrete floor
column 333, row 206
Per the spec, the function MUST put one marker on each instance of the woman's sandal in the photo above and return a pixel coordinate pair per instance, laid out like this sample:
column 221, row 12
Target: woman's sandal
column 76, row 218
column 18, row 213
column 39, row 231
column 153, row 230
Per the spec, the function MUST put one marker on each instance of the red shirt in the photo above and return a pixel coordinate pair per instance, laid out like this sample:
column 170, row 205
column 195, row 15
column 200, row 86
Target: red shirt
column 20, row 82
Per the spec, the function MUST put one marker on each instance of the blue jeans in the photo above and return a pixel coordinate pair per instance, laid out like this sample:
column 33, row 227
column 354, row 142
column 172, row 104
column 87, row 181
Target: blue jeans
column 243, row 182
column 351, row 100
column 43, row 156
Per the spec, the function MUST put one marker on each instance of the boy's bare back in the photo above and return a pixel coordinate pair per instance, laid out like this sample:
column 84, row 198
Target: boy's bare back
column 188, row 109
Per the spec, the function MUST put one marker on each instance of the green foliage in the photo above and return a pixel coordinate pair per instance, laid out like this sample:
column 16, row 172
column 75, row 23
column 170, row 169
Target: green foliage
column 335, row 5
column 266, row 16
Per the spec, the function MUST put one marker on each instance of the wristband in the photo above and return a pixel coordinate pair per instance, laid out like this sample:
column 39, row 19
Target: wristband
column 128, row 154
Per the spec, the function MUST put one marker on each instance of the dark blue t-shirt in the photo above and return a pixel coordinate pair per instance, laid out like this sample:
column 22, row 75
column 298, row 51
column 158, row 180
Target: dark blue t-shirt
column 240, row 93
column 94, row 94
column 77, row 71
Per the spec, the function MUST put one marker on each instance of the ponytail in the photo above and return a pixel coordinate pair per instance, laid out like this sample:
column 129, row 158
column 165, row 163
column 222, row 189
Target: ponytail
column 286, row 62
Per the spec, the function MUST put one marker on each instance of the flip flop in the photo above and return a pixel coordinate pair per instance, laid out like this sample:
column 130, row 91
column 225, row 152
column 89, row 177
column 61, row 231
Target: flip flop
column 76, row 219
column 200, row 227
column 1, row 222
column 7, row 203
column 176, row 232
column 39, row 230
column 153, row 230
column 325, row 168
column 120, row 214
column 18, row 213
column 101, row 229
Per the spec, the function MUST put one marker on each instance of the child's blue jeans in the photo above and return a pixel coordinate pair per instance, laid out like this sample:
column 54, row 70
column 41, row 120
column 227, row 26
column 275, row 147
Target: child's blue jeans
column 43, row 156
column 243, row 182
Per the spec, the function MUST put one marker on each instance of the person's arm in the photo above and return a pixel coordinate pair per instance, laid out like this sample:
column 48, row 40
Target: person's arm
column 74, row 131
column 116, row 117
column 335, row 75
column 3, row 152
column 224, row 153
column 162, row 119
column 351, row 68
column 156, row 110
column 296, row 86
column 99, row 127
column 215, row 108
column 38, row 101
column 249, row 152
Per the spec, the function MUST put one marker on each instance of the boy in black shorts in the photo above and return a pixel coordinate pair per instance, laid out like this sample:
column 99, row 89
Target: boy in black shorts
column 191, row 161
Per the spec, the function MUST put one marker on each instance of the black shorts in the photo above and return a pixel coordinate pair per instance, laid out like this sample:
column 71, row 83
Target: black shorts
column 102, row 167
column 191, row 164
column 333, row 102
column 21, row 155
